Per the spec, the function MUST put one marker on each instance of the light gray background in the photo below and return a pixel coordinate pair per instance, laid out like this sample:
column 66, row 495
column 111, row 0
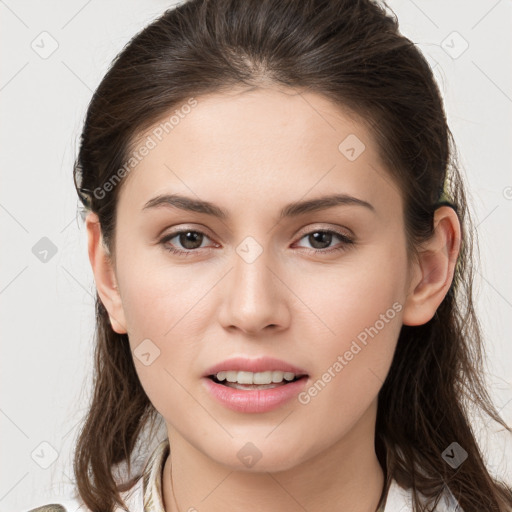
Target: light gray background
column 47, row 315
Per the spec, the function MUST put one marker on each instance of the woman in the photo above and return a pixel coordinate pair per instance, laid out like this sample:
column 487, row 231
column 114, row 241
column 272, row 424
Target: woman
column 282, row 253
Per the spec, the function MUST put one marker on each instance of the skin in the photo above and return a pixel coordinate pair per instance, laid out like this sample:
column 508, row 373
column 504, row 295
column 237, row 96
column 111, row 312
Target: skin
column 252, row 153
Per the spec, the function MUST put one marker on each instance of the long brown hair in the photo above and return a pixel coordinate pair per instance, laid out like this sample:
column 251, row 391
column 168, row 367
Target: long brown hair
column 352, row 52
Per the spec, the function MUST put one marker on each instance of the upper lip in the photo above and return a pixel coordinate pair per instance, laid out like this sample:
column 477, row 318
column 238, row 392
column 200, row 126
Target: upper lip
column 261, row 364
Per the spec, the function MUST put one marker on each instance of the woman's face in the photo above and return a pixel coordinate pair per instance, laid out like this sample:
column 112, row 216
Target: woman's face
column 250, row 285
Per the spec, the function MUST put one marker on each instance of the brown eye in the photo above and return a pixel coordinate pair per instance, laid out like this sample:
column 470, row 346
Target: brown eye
column 190, row 241
column 321, row 240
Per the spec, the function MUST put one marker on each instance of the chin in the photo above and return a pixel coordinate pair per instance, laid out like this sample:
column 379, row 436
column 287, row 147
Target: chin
column 258, row 456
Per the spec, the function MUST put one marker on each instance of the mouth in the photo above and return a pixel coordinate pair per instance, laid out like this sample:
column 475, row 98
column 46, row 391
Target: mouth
column 255, row 381
column 261, row 390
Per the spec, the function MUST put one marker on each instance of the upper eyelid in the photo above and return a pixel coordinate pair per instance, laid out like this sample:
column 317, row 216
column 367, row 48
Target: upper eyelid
column 340, row 231
column 179, row 231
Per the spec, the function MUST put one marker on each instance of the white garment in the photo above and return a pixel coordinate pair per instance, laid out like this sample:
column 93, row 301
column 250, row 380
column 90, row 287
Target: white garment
column 146, row 494
column 400, row 500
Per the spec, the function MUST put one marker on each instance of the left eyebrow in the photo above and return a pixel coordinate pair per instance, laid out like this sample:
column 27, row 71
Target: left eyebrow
column 291, row 210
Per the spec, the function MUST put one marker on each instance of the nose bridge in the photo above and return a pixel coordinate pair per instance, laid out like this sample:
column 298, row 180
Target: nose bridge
column 253, row 300
column 253, row 280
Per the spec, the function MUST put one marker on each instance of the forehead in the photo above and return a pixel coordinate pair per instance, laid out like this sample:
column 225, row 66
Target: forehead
column 264, row 144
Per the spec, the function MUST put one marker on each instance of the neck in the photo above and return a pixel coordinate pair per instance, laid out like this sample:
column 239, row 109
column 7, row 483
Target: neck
column 346, row 476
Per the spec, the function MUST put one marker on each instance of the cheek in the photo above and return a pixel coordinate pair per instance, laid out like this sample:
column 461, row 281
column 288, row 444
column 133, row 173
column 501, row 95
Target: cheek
column 164, row 306
column 158, row 309
column 157, row 296
column 360, row 309
column 365, row 291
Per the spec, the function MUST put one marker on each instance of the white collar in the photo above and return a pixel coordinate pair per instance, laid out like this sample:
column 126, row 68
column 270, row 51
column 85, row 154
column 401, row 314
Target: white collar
column 400, row 500
column 146, row 494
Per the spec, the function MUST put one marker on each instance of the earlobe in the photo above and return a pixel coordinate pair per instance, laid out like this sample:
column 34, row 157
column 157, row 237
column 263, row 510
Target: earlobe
column 434, row 268
column 104, row 275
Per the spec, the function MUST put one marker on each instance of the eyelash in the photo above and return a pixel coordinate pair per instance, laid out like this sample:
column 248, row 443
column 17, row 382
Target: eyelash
column 346, row 241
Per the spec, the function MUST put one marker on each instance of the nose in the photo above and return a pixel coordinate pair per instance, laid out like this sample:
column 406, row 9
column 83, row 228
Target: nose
column 254, row 297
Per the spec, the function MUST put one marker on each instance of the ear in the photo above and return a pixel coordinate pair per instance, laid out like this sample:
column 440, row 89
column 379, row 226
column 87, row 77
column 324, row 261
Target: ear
column 433, row 271
column 104, row 275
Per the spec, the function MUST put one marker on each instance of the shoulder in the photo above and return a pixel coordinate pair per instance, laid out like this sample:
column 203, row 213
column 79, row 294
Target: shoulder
column 400, row 500
column 132, row 498
column 145, row 490
column 54, row 507
column 69, row 505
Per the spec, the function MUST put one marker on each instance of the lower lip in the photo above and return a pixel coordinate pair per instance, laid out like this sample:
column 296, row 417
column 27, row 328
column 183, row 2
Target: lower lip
column 254, row 400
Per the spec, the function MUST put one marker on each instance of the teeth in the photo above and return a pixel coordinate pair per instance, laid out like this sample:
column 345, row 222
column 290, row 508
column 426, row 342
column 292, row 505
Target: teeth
column 255, row 378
